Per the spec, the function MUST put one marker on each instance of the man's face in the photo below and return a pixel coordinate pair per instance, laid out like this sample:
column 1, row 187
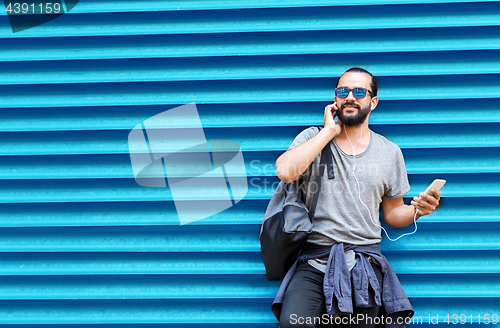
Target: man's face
column 352, row 111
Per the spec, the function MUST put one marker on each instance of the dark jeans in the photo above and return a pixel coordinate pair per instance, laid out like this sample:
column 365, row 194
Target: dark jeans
column 304, row 302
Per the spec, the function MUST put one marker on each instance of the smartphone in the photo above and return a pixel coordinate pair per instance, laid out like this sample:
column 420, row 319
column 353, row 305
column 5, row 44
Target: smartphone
column 436, row 184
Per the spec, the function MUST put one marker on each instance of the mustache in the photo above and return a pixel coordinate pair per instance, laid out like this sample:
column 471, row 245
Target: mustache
column 350, row 104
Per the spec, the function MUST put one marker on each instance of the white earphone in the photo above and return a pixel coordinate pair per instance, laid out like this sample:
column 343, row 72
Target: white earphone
column 359, row 189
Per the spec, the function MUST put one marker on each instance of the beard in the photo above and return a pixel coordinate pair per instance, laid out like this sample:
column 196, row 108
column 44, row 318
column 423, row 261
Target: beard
column 353, row 119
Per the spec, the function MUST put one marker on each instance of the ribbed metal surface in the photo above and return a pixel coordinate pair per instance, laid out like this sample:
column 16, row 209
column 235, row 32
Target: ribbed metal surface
column 81, row 244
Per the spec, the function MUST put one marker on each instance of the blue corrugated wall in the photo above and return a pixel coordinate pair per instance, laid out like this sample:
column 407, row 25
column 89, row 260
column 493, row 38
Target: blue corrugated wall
column 81, row 244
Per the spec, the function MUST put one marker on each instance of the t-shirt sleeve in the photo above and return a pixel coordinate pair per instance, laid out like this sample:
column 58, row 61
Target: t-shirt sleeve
column 304, row 136
column 399, row 185
column 300, row 139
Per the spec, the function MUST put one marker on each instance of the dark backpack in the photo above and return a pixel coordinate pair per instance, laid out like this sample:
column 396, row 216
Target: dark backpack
column 287, row 222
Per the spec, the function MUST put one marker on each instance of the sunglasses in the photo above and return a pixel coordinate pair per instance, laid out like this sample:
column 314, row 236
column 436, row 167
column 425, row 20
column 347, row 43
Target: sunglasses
column 358, row 93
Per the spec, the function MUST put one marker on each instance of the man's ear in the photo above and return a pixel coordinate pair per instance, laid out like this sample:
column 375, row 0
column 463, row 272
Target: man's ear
column 374, row 103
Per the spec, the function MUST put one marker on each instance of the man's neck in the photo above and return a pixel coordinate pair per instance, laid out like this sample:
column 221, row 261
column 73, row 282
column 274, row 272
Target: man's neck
column 359, row 137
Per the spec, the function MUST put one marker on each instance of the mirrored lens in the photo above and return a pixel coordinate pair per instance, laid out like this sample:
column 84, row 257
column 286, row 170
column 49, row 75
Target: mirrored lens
column 359, row 93
column 342, row 92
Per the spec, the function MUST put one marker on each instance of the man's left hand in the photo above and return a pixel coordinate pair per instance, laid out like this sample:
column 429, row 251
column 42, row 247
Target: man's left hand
column 426, row 204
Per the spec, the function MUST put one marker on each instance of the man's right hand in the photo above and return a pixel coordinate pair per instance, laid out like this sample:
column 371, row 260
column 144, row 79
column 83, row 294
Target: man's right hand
column 291, row 164
column 329, row 122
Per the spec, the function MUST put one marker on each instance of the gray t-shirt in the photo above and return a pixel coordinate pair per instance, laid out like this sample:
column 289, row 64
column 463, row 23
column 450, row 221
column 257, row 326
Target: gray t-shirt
column 340, row 216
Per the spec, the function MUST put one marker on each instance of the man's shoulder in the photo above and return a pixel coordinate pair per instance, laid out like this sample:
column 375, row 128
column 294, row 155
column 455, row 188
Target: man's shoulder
column 310, row 131
column 385, row 143
column 305, row 135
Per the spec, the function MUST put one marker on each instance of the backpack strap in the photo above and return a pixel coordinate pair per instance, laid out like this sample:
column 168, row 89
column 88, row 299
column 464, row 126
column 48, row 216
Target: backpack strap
column 325, row 162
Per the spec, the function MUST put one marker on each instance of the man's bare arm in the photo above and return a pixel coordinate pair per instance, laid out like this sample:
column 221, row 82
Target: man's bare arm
column 399, row 215
column 291, row 164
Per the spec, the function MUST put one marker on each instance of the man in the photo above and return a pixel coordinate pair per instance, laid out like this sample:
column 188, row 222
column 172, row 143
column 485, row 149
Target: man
column 369, row 174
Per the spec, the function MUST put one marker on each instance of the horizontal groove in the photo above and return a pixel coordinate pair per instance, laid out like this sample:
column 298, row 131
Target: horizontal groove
column 123, row 214
column 257, row 164
column 247, row 67
column 131, row 264
column 96, row 264
column 244, row 44
column 148, row 324
column 136, row 287
column 125, row 312
column 473, row 135
column 457, row 237
column 451, row 87
column 445, row 238
column 439, row 262
column 451, row 161
column 186, row 313
column 243, row 214
column 112, row 6
column 442, row 307
column 207, row 189
column 270, row 324
column 462, row 210
column 244, row 115
column 113, row 240
column 266, row 20
column 207, row 287
column 451, row 286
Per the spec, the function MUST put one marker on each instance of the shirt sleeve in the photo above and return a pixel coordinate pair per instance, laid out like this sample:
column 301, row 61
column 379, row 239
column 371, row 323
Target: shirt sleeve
column 399, row 180
column 304, row 136
column 300, row 139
